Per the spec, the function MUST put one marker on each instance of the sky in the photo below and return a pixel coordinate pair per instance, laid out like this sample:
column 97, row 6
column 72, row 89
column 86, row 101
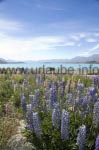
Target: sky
column 48, row 29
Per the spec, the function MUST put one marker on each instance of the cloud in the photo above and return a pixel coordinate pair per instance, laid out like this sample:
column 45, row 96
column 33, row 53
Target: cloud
column 78, row 37
column 21, row 49
column 95, row 48
column 91, row 40
column 85, row 54
column 8, row 25
column 69, row 44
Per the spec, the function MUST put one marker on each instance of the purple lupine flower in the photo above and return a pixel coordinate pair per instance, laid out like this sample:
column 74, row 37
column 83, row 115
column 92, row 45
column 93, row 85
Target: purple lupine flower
column 65, row 125
column 85, row 103
column 56, row 116
column 37, row 96
column 51, row 101
column 92, row 94
column 80, row 86
column 31, row 99
column 97, row 143
column 29, row 117
column 69, row 96
column 63, row 84
column 23, row 103
column 54, row 95
column 91, row 91
column 96, row 113
column 56, row 85
column 81, row 137
column 95, row 80
column 37, row 125
column 76, row 103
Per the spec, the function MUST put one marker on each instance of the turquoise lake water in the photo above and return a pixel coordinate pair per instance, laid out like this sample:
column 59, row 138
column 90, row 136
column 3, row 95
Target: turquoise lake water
column 41, row 64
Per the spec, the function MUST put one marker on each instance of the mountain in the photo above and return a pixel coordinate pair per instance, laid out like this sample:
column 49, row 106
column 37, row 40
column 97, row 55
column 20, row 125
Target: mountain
column 2, row 61
column 78, row 59
column 93, row 58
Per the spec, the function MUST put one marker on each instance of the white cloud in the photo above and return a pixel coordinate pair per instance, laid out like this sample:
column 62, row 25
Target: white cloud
column 79, row 36
column 95, row 48
column 9, row 25
column 76, row 38
column 69, row 44
column 85, row 54
column 21, row 49
column 91, row 40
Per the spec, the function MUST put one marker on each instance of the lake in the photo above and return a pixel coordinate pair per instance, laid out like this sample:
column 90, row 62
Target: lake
column 41, row 64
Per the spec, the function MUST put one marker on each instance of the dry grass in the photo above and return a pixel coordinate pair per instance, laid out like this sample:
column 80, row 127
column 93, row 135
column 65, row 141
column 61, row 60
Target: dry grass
column 8, row 128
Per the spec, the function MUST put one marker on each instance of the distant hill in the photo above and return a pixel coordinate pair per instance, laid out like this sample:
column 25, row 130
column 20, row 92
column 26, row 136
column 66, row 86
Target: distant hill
column 2, row 61
column 79, row 59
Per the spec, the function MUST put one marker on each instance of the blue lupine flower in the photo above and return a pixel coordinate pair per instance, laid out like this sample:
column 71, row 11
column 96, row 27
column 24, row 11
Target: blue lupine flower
column 51, row 100
column 52, row 97
column 56, row 85
column 65, row 125
column 29, row 117
column 97, row 143
column 37, row 125
column 63, row 84
column 23, row 103
column 96, row 80
column 31, row 99
column 81, row 137
column 85, row 103
column 91, row 91
column 56, row 116
column 96, row 113
column 80, row 86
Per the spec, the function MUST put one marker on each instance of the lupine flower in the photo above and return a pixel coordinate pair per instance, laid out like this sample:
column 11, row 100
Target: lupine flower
column 31, row 99
column 37, row 96
column 56, row 116
column 85, row 103
column 51, row 101
column 81, row 137
column 65, row 125
column 29, row 117
column 37, row 124
column 80, row 86
column 69, row 97
column 97, row 143
column 63, row 84
column 52, row 97
column 23, row 103
column 95, row 80
column 96, row 113
column 91, row 91
column 56, row 85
